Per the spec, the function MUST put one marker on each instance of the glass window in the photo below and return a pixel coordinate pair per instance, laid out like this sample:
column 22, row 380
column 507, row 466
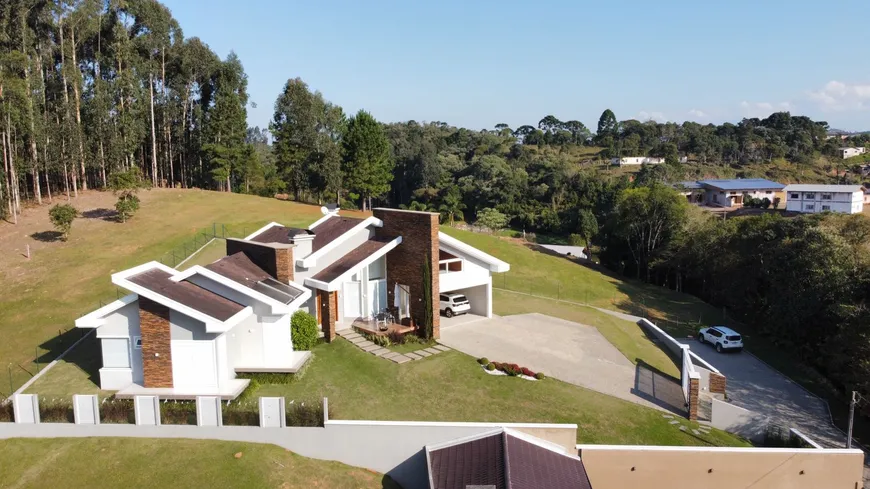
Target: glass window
column 826, row 196
column 137, row 342
column 795, row 196
column 810, row 207
column 810, row 195
column 377, row 269
column 826, row 207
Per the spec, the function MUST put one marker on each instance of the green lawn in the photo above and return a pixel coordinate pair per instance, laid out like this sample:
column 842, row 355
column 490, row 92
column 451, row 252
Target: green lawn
column 142, row 462
column 213, row 251
column 76, row 373
column 626, row 336
column 451, row 386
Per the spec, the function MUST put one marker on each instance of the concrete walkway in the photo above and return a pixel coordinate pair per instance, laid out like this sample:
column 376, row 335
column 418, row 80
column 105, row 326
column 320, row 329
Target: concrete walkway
column 568, row 351
column 367, row 346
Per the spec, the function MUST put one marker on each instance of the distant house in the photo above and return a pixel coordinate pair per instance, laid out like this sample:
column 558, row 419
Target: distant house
column 731, row 193
column 636, row 160
column 850, row 152
column 866, row 195
column 693, row 191
column 812, row 198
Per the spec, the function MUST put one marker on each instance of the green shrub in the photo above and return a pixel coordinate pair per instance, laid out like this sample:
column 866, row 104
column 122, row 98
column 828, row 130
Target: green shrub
column 241, row 412
column 303, row 330
column 6, row 411
column 127, row 204
column 397, row 338
column 483, row 360
column 539, row 376
column 56, row 411
column 117, row 411
column 490, row 366
column 62, row 216
column 305, row 413
column 249, row 391
column 262, row 378
column 178, row 412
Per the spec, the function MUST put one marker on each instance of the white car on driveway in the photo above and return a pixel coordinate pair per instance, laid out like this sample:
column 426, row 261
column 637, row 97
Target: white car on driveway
column 721, row 337
column 453, row 304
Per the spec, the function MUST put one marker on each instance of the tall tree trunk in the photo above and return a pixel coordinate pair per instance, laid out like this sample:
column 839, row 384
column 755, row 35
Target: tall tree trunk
column 9, row 186
column 102, row 163
column 153, row 132
column 79, row 131
column 13, row 176
column 33, row 151
column 43, row 74
column 66, row 105
column 45, row 161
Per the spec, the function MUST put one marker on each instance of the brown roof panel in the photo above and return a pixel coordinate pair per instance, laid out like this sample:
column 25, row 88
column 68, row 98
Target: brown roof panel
column 351, row 259
column 477, row 462
column 504, row 461
column 186, row 293
column 279, row 234
column 239, row 268
column 330, row 229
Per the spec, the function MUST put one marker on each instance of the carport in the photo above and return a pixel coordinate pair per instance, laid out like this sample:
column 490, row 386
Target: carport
column 479, row 298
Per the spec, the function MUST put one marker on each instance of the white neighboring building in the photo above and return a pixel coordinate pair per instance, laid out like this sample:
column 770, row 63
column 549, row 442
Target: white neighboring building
column 636, row 160
column 812, row 198
column 850, row 152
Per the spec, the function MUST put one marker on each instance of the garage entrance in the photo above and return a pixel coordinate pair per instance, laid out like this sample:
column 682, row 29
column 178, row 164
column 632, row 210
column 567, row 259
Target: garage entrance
column 479, row 299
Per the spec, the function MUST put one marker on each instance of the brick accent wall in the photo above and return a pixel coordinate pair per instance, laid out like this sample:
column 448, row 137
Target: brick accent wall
column 156, row 346
column 328, row 304
column 717, row 383
column 419, row 232
column 694, row 392
column 277, row 261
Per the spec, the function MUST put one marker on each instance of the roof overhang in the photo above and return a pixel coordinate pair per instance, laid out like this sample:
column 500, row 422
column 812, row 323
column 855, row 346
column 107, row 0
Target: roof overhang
column 261, row 230
column 311, row 260
column 212, row 325
column 458, row 247
column 97, row 318
column 335, row 284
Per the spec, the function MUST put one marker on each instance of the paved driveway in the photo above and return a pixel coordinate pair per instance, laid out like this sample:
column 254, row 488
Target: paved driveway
column 754, row 386
column 565, row 350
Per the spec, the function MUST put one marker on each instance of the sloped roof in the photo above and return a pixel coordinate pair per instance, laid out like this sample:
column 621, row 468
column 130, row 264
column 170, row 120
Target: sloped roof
column 239, row 268
column 188, row 294
column 332, row 228
column 743, row 184
column 351, row 259
column 279, row 234
column 503, row 460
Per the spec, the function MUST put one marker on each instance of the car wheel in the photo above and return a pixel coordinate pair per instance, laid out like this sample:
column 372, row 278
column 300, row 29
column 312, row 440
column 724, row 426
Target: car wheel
column 701, row 339
column 719, row 348
column 449, row 313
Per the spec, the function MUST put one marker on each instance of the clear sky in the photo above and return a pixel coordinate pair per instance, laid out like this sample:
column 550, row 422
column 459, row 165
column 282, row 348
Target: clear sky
column 476, row 63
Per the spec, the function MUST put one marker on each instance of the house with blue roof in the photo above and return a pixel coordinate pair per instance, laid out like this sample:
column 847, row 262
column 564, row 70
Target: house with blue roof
column 731, row 192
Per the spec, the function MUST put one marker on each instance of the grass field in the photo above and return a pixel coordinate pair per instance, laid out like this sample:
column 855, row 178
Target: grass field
column 451, row 386
column 213, row 251
column 142, row 462
column 626, row 336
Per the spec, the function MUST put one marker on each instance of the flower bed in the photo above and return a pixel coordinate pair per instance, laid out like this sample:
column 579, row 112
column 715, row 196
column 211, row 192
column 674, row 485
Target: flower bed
column 510, row 369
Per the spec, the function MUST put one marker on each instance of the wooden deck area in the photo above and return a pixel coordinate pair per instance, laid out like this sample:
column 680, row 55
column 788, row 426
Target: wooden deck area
column 377, row 329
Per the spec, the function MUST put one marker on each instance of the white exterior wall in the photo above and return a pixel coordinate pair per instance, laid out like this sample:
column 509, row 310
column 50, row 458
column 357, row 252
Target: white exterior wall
column 353, row 241
column 850, row 152
column 637, row 160
column 726, row 197
column 479, row 298
column 244, row 345
column 185, row 329
column 473, row 273
column 812, row 202
column 277, row 343
column 123, row 323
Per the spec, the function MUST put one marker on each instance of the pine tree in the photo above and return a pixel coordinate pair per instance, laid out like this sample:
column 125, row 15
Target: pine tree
column 368, row 165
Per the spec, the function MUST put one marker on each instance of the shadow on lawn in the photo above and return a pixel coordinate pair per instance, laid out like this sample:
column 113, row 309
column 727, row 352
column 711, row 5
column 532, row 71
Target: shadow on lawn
column 47, row 236
column 109, row 215
column 86, row 355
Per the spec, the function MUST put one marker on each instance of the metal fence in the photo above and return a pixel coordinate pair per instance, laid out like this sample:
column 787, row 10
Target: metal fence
column 201, row 238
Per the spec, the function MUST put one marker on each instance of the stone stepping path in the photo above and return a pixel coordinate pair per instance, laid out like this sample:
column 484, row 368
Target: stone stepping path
column 379, row 351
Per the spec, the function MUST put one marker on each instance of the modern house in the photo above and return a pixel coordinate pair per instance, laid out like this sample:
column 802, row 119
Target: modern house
column 505, row 459
column 812, row 198
column 636, row 160
column 850, row 152
column 730, row 193
column 186, row 333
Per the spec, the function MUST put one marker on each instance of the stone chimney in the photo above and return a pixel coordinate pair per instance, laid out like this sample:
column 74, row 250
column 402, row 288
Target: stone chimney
column 276, row 259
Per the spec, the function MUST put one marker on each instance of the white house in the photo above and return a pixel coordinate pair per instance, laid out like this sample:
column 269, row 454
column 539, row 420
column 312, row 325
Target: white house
column 811, row 198
column 180, row 334
column 636, row 160
column 850, row 152
column 731, row 193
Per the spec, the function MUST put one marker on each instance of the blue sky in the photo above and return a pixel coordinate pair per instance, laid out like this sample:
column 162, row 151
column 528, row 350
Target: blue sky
column 476, row 63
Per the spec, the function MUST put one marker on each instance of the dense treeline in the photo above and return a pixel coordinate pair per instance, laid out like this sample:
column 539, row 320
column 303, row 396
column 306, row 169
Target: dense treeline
column 91, row 87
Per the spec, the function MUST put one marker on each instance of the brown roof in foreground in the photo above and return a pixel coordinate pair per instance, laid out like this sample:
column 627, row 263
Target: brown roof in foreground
column 239, row 268
column 279, row 234
column 505, row 462
column 330, row 229
column 186, row 293
column 351, row 259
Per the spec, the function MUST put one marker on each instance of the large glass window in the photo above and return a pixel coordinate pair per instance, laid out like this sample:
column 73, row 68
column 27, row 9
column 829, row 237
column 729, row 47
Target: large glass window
column 378, row 269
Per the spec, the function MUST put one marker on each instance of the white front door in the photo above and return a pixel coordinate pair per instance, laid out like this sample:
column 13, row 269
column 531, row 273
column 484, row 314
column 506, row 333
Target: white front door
column 193, row 364
column 352, row 300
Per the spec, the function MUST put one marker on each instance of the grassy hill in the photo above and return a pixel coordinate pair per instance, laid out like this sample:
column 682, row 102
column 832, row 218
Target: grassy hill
column 142, row 462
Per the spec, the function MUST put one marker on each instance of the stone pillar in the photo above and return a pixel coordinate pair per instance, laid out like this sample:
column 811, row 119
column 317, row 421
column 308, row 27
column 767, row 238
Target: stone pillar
column 694, row 392
column 156, row 343
column 717, row 383
column 419, row 232
column 328, row 304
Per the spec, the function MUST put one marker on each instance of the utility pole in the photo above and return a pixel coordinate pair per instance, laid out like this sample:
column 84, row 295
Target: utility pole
column 851, row 418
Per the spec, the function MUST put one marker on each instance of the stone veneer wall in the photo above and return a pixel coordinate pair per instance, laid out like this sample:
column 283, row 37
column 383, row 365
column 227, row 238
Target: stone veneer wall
column 156, row 343
column 419, row 232
column 274, row 259
column 329, row 313
column 694, row 398
column 717, row 383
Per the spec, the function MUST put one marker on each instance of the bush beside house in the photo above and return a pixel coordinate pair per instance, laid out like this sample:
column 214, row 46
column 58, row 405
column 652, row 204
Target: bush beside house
column 303, row 331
